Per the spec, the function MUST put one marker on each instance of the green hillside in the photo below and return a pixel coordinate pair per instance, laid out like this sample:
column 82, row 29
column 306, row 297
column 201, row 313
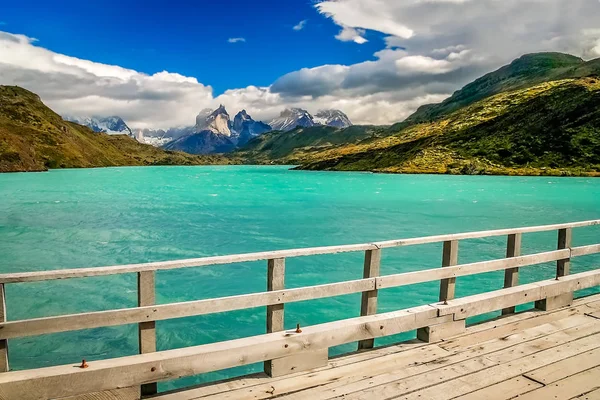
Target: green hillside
column 34, row 138
column 526, row 71
column 300, row 144
column 308, row 145
column 552, row 128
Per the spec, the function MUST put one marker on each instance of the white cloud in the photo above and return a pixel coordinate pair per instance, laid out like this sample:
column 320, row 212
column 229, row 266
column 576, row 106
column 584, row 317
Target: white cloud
column 348, row 34
column 80, row 87
column 300, row 25
column 236, row 40
column 496, row 30
column 431, row 48
column 366, row 14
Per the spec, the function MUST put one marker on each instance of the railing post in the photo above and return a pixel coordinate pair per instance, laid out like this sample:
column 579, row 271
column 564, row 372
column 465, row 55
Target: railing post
column 368, row 305
column 147, row 329
column 563, row 268
column 511, row 275
column 449, row 258
column 3, row 343
column 444, row 330
column 275, row 281
column 275, row 323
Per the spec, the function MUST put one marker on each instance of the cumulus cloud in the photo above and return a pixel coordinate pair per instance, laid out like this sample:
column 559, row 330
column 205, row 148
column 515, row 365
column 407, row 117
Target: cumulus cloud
column 236, row 40
column 355, row 35
column 366, row 14
column 430, row 48
column 80, row 87
column 300, row 25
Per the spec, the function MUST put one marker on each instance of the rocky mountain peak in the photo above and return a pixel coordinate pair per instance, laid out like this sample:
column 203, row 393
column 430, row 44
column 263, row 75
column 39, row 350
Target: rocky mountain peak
column 216, row 121
column 220, row 110
column 246, row 128
column 113, row 125
column 335, row 118
column 291, row 118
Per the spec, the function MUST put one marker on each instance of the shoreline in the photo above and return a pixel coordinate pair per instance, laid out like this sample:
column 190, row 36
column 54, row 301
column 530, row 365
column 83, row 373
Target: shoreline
column 537, row 172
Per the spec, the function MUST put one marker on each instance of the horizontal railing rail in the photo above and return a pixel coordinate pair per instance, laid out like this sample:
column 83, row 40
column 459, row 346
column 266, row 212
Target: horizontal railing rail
column 61, row 381
column 277, row 347
column 261, row 256
column 62, row 323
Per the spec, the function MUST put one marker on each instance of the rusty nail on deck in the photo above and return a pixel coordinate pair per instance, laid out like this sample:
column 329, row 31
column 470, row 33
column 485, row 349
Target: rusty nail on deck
column 298, row 330
column 83, row 364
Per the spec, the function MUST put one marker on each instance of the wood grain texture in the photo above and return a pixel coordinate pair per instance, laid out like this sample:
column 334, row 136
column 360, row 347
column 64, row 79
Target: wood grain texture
column 68, row 380
column 128, row 371
column 363, row 371
column 147, row 329
column 39, row 326
column 449, row 259
column 275, row 312
column 288, row 352
column 563, row 267
column 368, row 305
column 511, row 275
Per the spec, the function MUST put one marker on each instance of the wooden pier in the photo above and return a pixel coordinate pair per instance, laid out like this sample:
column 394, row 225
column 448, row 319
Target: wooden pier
column 550, row 352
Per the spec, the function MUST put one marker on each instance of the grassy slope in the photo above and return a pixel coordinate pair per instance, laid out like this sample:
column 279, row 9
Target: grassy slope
column 304, row 145
column 34, row 138
column 526, row 71
column 300, row 144
column 552, row 128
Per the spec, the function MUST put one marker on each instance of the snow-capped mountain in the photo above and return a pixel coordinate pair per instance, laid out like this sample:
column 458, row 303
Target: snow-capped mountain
column 335, row 118
column 160, row 137
column 112, row 125
column 215, row 132
column 291, row 118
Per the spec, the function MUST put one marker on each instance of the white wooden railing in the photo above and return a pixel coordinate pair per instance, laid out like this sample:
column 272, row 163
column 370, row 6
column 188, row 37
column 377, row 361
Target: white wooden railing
column 285, row 352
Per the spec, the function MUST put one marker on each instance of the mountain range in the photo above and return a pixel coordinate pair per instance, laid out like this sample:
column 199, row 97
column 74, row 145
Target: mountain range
column 215, row 132
column 538, row 115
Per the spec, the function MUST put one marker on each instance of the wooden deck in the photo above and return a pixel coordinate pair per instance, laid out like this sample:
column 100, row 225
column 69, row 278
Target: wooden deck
column 532, row 355
column 551, row 352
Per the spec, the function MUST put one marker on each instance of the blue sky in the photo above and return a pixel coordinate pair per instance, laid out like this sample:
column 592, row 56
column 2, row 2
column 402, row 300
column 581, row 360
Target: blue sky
column 158, row 64
column 190, row 37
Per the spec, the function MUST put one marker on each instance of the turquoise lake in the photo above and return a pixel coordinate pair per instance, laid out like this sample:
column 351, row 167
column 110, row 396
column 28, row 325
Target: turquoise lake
column 99, row 217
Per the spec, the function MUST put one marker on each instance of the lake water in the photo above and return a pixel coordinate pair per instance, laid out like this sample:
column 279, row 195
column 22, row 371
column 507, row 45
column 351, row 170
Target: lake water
column 97, row 217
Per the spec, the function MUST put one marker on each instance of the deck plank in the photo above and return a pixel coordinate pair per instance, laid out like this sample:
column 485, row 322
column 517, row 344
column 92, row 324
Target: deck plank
column 416, row 382
column 249, row 381
column 487, row 361
column 341, row 375
column 503, row 390
column 502, row 372
column 346, row 386
column 565, row 368
column 593, row 395
column 567, row 388
column 514, row 324
column 132, row 393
